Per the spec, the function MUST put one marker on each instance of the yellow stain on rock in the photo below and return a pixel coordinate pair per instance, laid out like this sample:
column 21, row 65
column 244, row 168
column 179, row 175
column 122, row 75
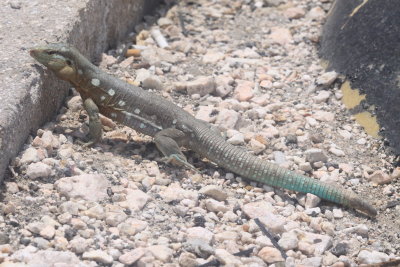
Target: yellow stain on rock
column 368, row 121
column 351, row 99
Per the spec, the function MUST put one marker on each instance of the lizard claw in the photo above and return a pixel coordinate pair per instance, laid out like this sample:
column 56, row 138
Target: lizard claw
column 177, row 160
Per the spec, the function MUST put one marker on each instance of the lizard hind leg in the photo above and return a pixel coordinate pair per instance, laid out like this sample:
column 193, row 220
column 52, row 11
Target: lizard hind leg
column 168, row 141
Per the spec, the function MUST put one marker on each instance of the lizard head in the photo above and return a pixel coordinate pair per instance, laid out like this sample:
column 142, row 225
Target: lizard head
column 62, row 59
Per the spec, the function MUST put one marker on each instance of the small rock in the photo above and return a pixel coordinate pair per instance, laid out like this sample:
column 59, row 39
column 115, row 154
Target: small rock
column 132, row 256
column 98, row 256
column 41, row 243
column 187, row 259
column 244, row 91
column 371, row 257
column 199, row 233
column 47, row 232
column 324, row 116
column 312, row 201
column 294, row 12
column 321, row 242
column 162, row 253
column 206, row 113
column 227, row 258
column 227, row 119
column 312, row 262
column 380, row 177
column 280, row 36
column 15, row 4
column 314, row 155
column 79, row 245
column 337, row 213
column 201, row 86
column 288, row 241
column 12, row 188
column 215, row 206
column 52, row 258
column 336, row 151
column 107, row 60
column 153, row 82
column 132, row 226
column 236, row 139
column 276, row 223
column 316, row 13
column 223, row 85
column 114, row 218
column 69, row 207
column 256, row 146
column 395, row 174
column 322, row 97
column 270, row 255
column 38, row 170
column 214, row 191
column 135, row 200
column 327, row 78
column 345, row 134
column 75, row 103
column 340, row 249
column 213, row 57
column 306, row 166
column 313, row 211
column 360, row 229
column 258, row 209
column 96, row 212
column 30, row 155
column 91, row 187
column 199, row 247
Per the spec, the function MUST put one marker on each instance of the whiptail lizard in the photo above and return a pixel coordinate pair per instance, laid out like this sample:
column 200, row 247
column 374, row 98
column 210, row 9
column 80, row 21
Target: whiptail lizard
column 172, row 127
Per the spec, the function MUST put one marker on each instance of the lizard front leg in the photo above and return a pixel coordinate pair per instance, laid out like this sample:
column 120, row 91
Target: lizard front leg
column 95, row 126
column 168, row 141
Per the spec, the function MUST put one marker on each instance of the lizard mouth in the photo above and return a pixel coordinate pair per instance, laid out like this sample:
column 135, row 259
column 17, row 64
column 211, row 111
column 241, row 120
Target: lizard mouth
column 33, row 53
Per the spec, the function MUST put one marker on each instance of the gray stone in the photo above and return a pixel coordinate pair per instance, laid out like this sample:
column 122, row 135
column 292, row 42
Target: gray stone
column 91, row 187
column 371, row 257
column 215, row 192
column 38, row 170
column 131, row 257
column 99, row 256
column 315, row 155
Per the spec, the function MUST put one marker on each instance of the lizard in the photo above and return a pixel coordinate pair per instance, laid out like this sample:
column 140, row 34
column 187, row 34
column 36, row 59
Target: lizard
column 173, row 128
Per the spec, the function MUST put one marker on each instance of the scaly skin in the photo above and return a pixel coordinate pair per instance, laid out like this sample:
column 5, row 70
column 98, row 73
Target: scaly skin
column 173, row 127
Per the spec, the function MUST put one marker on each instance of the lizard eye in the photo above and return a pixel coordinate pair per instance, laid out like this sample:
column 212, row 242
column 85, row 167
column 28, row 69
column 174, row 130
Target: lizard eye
column 51, row 52
column 69, row 62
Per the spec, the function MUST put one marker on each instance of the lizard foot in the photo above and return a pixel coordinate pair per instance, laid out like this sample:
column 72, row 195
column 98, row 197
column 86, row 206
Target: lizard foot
column 177, row 160
column 87, row 142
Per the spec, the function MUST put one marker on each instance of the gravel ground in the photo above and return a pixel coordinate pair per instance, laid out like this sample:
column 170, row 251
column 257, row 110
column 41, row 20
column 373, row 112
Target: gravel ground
column 251, row 68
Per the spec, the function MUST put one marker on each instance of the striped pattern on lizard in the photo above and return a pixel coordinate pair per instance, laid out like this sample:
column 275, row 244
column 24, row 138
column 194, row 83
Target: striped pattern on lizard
column 172, row 127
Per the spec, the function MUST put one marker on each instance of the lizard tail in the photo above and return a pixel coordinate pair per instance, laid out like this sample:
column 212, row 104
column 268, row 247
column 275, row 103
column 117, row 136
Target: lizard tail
column 241, row 162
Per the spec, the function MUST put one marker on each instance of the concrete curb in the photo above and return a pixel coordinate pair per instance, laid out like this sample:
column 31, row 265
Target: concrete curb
column 28, row 96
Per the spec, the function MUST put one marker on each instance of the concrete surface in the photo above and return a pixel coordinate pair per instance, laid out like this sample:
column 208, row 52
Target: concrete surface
column 28, row 96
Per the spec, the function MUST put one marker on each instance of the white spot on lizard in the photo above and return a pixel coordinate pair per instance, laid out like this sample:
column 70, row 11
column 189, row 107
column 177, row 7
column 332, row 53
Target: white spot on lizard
column 80, row 72
column 174, row 121
column 102, row 98
column 121, row 103
column 111, row 92
column 142, row 125
column 137, row 111
column 95, row 82
column 114, row 115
